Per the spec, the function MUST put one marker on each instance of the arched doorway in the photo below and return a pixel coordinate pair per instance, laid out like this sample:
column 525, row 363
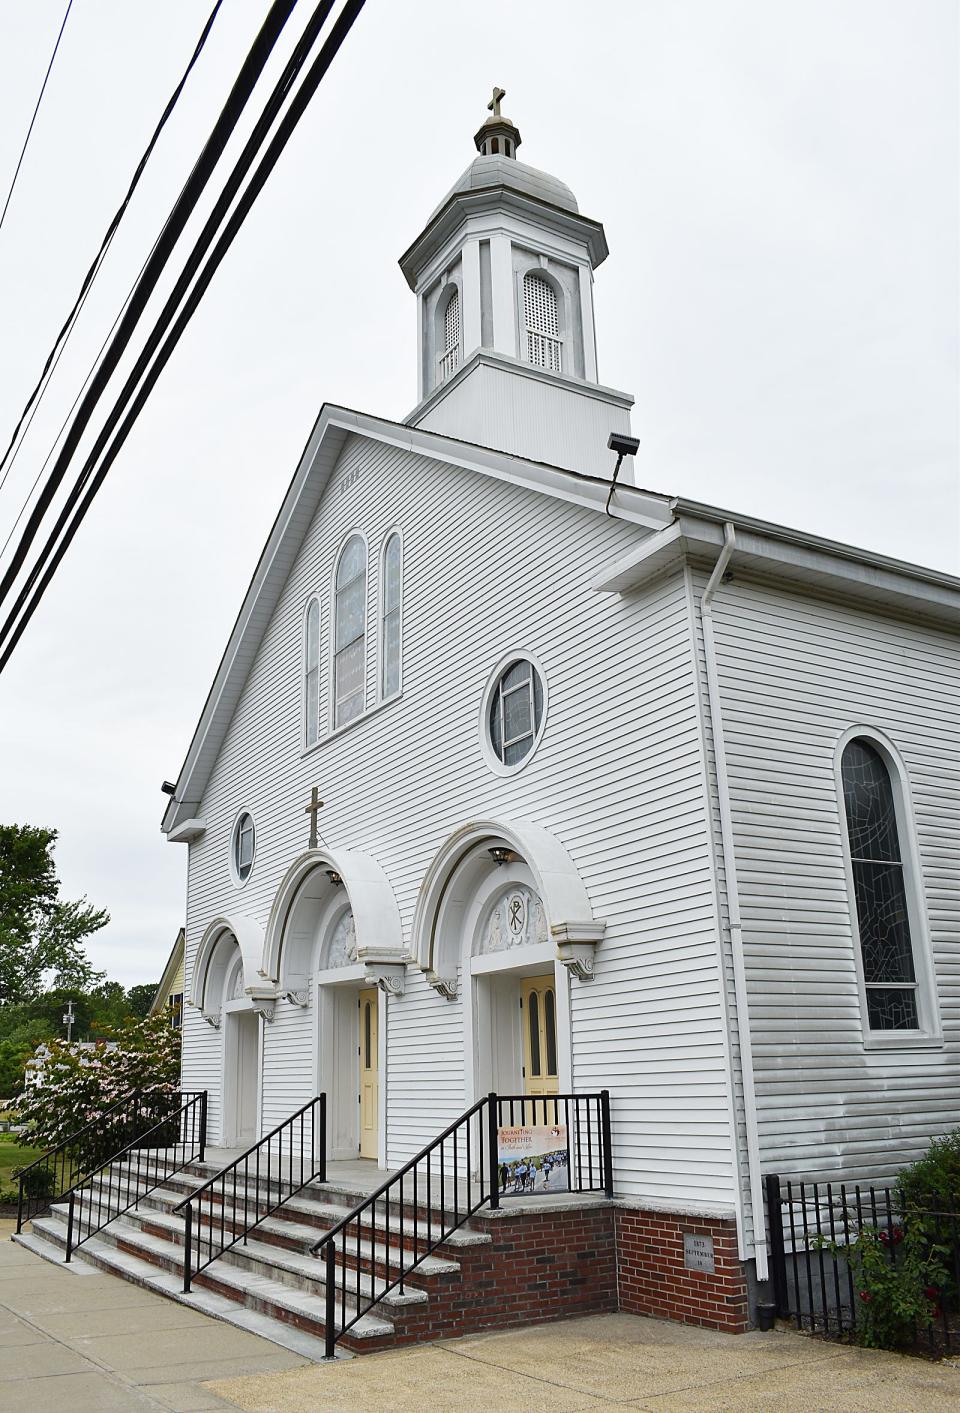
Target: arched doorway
column 219, row 990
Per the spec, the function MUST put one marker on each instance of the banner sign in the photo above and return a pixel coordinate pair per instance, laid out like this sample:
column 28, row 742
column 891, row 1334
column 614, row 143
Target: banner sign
column 533, row 1160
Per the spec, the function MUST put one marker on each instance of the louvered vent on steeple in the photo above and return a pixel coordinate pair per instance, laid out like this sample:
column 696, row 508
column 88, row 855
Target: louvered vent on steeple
column 450, row 357
column 543, row 329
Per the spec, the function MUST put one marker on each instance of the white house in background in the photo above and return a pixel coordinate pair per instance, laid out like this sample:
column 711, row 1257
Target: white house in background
column 619, row 790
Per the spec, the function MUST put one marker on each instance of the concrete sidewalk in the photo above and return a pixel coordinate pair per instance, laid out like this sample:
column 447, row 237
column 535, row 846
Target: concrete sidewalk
column 73, row 1339
column 612, row 1362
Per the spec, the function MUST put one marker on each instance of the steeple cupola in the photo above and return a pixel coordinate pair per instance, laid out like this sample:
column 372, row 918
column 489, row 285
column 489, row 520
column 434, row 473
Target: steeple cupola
column 498, row 137
column 503, row 274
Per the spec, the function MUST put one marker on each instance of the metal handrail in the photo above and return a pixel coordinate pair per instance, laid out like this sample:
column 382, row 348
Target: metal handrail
column 59, row 1151
column 599, row 1177
column 315, row 1169
column 193, row 1114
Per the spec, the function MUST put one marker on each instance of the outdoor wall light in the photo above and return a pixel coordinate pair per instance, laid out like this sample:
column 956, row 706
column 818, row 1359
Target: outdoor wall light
column 334, row 877
column 500, row 855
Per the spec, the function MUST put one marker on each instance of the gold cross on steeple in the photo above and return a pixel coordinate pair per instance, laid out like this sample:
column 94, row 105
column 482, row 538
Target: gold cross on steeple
column 494, row 104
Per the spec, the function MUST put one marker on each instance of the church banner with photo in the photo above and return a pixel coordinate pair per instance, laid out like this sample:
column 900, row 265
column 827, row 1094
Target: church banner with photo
column 533, row 1159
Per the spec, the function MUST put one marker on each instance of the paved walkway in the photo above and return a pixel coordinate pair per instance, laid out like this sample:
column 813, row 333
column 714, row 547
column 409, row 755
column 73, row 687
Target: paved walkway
column 73, row 1339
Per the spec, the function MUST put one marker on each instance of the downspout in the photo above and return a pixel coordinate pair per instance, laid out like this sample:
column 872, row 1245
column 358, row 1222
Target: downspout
column 745, row 1044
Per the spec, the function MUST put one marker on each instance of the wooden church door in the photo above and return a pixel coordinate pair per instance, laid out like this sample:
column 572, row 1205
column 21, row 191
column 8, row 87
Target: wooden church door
column 538, row 1009
column 369, row 1073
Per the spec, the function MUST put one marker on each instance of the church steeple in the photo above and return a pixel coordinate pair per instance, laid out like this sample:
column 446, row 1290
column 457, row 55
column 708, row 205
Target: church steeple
column 498, row 136
column 503, row 273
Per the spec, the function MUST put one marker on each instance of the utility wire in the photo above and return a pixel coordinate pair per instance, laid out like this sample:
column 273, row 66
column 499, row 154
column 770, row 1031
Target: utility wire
column 53, row 358
column 301, row 99
column 43, row 89
column 183, row 207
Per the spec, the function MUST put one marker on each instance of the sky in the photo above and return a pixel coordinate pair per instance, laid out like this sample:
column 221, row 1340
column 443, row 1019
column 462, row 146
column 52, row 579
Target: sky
column 779, row 187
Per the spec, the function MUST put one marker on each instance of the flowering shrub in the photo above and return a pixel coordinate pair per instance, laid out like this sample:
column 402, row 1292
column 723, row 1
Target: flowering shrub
column 899, row 1273
column 80, row 1086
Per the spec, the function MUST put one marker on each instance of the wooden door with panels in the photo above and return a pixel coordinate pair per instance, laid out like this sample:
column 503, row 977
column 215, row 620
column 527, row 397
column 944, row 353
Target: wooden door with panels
column 538, row 1010
column 369, row 1071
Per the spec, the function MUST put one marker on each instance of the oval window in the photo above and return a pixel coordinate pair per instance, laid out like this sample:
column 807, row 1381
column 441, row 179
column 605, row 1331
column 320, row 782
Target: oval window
column 244, row 843
column 515, row 715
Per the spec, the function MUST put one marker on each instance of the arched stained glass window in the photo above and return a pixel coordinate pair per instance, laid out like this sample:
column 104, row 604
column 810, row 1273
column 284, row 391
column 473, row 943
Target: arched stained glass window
column 880, row 889
column 311, row 673
column 543, row 324
column 350, row 625
column 390, row 628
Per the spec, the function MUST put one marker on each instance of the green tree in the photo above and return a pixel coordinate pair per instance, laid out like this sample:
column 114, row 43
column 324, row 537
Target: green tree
column 140, row 999
column 40, row 933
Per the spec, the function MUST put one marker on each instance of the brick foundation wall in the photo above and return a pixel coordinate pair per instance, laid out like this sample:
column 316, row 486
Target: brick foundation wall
column 653, row 1279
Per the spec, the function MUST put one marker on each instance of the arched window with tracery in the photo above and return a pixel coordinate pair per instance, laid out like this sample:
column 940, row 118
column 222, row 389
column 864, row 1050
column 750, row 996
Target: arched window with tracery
column 391, row 592
column 350, row 626
column 882, row 887
column 449, row 358
column 311, row 673
column 542, row 320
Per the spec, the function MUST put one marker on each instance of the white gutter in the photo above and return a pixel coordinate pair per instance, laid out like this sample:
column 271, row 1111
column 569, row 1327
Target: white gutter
column 733, row 905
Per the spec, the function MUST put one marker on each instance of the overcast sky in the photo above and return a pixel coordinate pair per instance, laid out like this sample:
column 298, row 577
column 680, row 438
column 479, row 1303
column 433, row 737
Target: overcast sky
column 778, row 182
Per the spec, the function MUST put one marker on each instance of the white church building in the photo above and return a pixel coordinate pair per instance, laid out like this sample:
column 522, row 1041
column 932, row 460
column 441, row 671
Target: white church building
column 615, row 790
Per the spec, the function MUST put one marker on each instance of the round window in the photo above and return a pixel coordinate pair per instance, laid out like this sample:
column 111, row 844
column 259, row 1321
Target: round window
column 244, row 844
column 515, row 713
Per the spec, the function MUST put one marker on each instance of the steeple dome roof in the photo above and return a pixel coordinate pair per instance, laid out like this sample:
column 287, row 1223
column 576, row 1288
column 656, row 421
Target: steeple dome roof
column 508, row 172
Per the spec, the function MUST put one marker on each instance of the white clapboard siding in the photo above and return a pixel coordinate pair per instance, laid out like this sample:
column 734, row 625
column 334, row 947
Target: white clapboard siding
column 796, row 671
column 490, row 568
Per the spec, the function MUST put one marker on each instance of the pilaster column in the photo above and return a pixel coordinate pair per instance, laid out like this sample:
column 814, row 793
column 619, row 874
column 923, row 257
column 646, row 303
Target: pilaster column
column 504, row 308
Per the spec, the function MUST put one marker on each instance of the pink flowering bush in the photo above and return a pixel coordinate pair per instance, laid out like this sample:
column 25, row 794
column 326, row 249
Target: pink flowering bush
column 81, row 1086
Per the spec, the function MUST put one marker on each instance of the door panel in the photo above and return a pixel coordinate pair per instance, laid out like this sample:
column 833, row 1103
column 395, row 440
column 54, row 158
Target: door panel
column 538, row 1008
column 369, row 1073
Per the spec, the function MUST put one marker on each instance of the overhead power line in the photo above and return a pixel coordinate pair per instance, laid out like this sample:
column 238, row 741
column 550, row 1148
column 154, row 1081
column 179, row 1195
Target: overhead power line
column 43, row 89
column 53, row 358
column 173, row 227
column 53, row 552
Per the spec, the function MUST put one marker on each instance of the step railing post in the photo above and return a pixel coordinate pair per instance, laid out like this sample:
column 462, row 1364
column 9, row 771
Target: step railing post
column 20, row 1205
column 607, row 1139
column 70, row 1202
column 187, row 1245
column 322, row 1163
column 203, row 1123
column 330, row 1301
column 778, row 1255
column 492, row 1160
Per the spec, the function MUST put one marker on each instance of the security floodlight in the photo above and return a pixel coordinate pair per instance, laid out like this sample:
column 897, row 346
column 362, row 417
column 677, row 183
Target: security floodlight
column 623, row 446
column 167, row 787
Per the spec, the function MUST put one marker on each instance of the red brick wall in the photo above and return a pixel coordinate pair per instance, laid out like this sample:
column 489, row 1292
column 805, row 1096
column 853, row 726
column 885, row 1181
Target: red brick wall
column 653, row 1279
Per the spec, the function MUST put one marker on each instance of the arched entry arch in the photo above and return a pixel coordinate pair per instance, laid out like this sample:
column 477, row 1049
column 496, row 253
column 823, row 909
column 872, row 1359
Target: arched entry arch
column 224, row 986
column 501, row 920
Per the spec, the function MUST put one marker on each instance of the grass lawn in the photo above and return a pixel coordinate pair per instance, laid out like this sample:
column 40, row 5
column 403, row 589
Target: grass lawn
column 13, row 1156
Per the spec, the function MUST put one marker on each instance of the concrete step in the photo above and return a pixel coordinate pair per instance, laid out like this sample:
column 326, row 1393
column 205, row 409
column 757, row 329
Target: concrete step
column 127, row 1250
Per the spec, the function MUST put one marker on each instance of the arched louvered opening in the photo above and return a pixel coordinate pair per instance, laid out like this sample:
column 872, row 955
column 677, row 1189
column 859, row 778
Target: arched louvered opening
column 449, row 358
column 543, row 324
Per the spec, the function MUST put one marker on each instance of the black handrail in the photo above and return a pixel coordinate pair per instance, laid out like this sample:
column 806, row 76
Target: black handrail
column 179, row 1139
column 264, row 1177
column 586, row 1157
column 53, row 1174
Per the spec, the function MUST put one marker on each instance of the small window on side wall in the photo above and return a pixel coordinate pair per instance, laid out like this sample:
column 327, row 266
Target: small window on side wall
column 882, row 888
column 244, row 847
column 391, row 593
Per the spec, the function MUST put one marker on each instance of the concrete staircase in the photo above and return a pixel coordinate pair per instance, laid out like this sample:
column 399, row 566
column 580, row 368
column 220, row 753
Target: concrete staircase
column 270, row 1285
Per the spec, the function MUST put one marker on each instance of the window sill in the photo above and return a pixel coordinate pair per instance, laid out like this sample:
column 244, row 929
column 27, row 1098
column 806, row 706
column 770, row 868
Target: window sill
column 350, row 725
column 901, row 1040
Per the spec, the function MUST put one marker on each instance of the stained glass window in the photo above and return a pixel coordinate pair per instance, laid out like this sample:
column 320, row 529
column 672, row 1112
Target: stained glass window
column 879, row 890
column 350, row 625
column 311, row 673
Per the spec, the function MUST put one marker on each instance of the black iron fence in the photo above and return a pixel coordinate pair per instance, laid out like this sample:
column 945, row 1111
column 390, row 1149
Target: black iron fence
column 117, row 1185
column 223, row 1210
column 377, row 1245
column 863, row 1262
column 50, row 1177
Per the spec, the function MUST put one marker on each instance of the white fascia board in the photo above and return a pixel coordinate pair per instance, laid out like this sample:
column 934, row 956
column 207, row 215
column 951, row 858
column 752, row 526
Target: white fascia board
column 187, row 831
column 792, row 557
column 331, row 430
